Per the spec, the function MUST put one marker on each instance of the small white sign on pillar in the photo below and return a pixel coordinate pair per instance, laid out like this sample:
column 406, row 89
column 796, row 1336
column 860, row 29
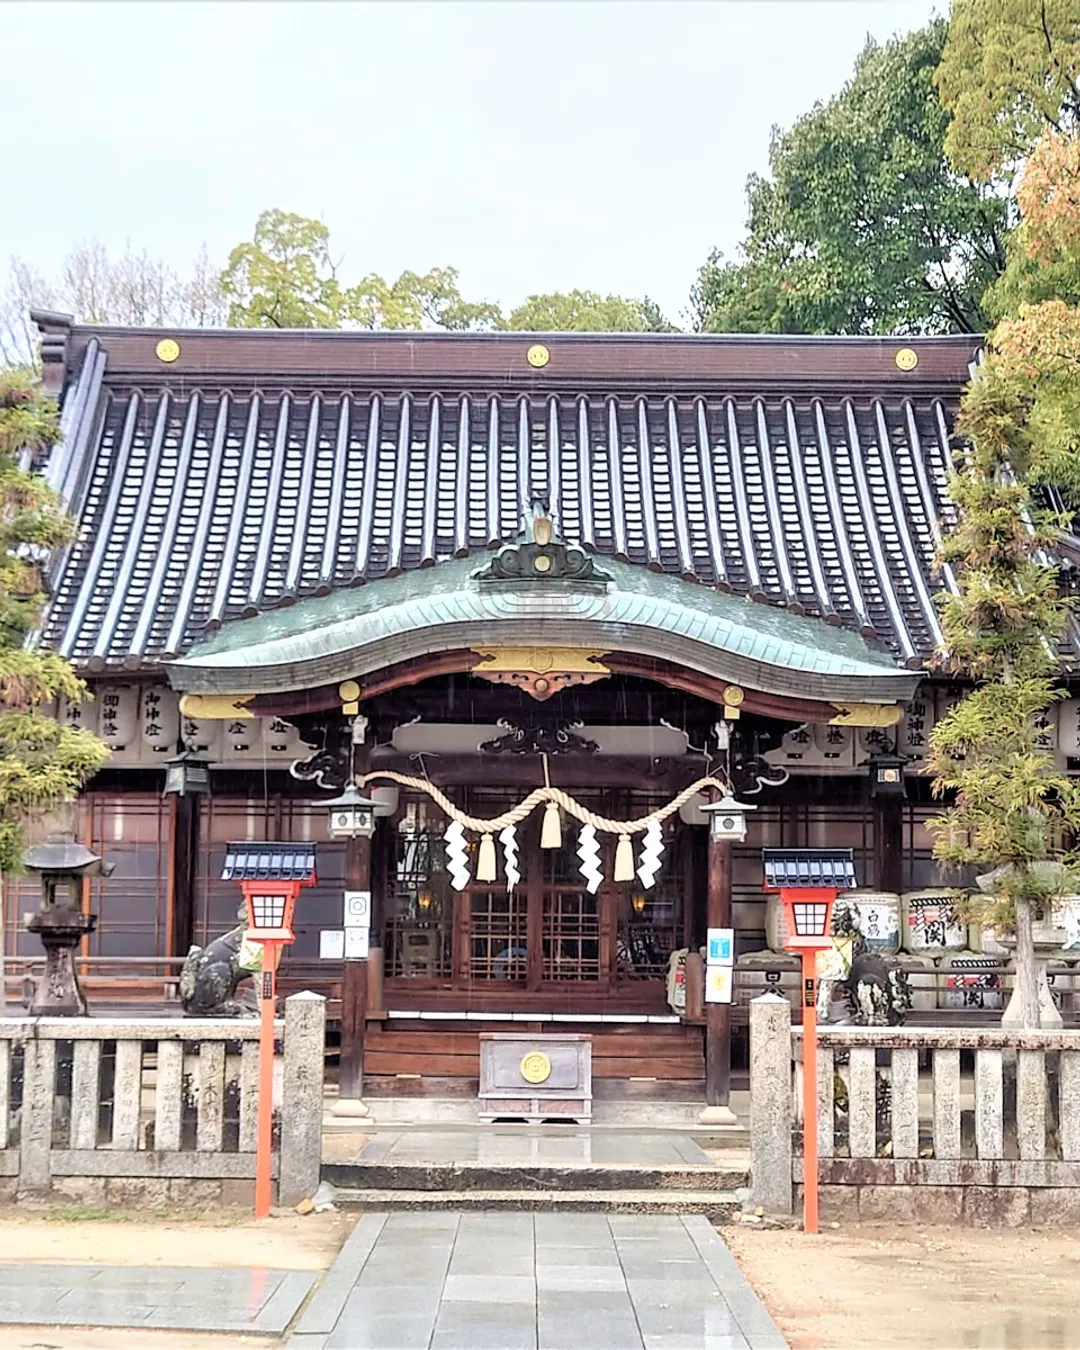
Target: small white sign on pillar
column 332, row 944
column 357, row 909
column 357, row 943
column 718, row 983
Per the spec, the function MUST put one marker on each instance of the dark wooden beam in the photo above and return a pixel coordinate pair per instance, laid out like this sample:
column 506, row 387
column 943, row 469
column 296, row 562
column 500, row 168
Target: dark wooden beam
column 711, row 689
column 665, row 674
column 718, row 1015
column 527, row 771
column 889, row 843
column 354, row 982
column 184, row 869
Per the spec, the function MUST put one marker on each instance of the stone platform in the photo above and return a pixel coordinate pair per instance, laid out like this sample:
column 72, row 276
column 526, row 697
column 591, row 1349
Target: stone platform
column 540, row 1168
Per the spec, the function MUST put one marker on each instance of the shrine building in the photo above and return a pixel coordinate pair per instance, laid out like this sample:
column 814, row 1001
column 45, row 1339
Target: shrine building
column 459, row 568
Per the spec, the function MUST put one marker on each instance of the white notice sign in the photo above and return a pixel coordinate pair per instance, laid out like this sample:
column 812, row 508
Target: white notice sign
column 331, row 944
column 356, row 943
column 357, row 909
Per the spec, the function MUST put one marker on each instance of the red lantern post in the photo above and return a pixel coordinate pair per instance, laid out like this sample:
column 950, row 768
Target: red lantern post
column 270, row 876
column 809, row 881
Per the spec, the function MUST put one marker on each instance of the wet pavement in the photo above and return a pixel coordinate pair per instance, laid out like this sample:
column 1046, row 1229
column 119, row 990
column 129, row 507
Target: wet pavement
column 167, row 1298
column 515, row 1147
column 474, row 1281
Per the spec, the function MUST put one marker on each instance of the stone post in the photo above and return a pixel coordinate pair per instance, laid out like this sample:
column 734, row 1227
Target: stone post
column 302, row 1097
column 771, row 1103
column 39, row 1090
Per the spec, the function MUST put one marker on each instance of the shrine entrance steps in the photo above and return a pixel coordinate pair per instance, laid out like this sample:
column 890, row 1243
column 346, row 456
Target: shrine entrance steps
column 543, row 1169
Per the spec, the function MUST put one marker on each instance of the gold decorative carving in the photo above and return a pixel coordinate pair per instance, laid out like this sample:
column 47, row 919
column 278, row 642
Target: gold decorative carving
column 216, row 707
column 865, row 715
column 733, row 701
column 907, row 358
column 540, row 671
column 167, row 350
column 535, row 1067
column 538, row 355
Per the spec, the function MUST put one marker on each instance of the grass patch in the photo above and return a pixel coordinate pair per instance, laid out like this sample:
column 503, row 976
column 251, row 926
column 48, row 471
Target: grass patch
column 84, row 1214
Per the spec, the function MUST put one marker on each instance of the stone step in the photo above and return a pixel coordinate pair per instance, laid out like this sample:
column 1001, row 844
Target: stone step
column 524, row 1177
column 716, row 1205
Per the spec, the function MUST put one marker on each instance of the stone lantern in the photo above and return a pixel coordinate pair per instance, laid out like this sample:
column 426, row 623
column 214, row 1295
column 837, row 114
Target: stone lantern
column 61, row 924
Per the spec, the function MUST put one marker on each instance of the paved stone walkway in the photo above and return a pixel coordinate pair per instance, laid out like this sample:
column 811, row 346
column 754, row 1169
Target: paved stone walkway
column 448, row 1281
column 172, row 1298
column 493, row 1146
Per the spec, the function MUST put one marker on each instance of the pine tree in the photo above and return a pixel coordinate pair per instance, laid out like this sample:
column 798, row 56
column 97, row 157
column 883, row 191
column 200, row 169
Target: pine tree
column 43, row 762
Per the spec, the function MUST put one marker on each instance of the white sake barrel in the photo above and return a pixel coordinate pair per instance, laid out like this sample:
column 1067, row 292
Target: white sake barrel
column 930, row 925
column 878, row 917
column 1067, row 916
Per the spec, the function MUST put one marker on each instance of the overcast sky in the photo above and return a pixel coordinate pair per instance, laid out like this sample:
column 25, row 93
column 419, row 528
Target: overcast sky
column 532, row 145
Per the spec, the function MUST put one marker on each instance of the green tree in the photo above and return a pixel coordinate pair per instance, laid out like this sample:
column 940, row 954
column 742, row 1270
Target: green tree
column 42, row 761
column 587, row 312
column 1009, row 76
column 1009, row 72
column 414, row 300
column 862, row 226
column 1010, row 808
column 285, row 277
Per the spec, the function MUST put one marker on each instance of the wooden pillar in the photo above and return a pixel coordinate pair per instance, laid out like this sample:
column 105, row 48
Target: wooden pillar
column 354, row 983
column 718, row 1015
column 185, row 870
column 889, row 843
column 354, row 980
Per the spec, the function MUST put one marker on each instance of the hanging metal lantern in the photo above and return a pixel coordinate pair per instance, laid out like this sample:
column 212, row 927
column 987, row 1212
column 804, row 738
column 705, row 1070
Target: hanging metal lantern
column 352, row 816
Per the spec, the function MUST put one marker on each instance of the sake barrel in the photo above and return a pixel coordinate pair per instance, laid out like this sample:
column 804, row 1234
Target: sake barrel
column 971, row 981
column 985, row 939
column 875, row 914
column 930, row 925
column 1067, row 916
column 767, row 972
column 878, row 919
column 922, row 977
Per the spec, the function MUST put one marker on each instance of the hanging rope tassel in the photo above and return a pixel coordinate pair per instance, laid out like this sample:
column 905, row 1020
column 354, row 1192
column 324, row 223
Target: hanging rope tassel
column 551, row 830
column 487, row 868
column 624, row 859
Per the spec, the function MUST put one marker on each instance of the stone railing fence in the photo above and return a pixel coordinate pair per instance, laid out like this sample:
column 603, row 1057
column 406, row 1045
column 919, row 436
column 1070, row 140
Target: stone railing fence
column 157, row 1110
column 919, row 1124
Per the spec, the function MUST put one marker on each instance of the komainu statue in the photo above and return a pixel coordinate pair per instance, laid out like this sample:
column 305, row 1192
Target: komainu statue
column 211, row 974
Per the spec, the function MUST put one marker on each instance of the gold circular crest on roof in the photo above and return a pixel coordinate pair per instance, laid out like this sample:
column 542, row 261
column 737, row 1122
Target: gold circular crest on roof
column 536, row 1067
column 349, row 691
column 538, row 355
column 168, row 349
column 907, row 358
column 733, row 696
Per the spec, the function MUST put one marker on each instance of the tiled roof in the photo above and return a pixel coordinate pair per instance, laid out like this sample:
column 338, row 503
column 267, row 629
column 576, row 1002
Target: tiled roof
column 269, row 862
column 199, row 503
column 809, row 868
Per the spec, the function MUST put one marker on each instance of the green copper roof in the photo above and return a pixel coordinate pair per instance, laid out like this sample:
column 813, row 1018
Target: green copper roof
column 352, row 633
